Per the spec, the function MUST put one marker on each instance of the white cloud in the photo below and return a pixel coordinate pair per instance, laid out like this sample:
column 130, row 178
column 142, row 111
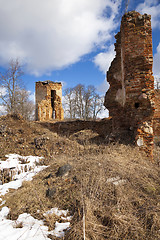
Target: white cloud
column 49, row 35
column 103, row 60
column 3, row 91
column 31, row 96
column 156, row 59
column 2, row 110
column 103, row 87
column 153, row 8
column 104, row 113
column 64, row 84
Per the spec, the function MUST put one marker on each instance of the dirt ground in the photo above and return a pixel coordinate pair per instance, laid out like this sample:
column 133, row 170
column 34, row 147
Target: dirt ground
column 113, row 185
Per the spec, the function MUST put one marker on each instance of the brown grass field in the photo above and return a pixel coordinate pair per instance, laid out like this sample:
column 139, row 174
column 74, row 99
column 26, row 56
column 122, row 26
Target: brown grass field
column 114, row 186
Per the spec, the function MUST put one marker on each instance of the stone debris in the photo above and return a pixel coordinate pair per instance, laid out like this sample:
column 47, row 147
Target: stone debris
column 50, row 192
column 64, row 170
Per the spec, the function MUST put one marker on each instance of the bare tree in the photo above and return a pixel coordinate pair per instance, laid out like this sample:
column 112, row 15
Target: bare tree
column 157, row 82
column 14, row 98
column 97, row 105
column 25, row 106
column 88, row 98
column 82, row 102
column 69, row 102
column 79, row 92
column 10, row 82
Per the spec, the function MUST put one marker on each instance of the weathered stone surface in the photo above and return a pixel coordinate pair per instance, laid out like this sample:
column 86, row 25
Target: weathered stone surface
column 50, row 192
column 64, row 170
column 130, row 98
column 49, row 101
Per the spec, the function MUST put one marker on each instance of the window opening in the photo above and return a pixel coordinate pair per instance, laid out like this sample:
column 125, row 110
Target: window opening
column 53, row 97
column 136, row 105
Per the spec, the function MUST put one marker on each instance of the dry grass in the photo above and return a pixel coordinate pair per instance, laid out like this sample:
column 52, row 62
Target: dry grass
column 125, row 211
column 129, row 210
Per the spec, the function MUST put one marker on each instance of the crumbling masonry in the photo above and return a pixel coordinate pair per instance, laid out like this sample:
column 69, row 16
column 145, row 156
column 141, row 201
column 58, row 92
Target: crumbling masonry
column 130, row 98
column 49, row 101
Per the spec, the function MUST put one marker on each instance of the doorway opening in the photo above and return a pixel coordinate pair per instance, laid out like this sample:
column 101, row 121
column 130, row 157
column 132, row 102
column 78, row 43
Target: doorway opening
column 53, row 97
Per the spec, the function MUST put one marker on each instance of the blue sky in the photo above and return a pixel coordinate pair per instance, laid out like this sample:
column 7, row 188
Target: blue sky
column 70, row 41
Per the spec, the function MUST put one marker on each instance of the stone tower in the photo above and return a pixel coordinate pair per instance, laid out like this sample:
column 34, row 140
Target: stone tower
column 130, row 98
column 48, row 101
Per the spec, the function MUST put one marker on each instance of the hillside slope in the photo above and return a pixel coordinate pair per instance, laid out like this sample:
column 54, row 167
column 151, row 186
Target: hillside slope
column 113, row 185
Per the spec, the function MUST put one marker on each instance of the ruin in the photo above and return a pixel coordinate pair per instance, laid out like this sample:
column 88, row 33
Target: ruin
column 131, row 96
column 49, row 101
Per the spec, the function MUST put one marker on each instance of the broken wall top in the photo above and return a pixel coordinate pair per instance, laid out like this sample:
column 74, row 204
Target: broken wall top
column 130, row 74
column 130, row 98
column 49, row 100
column 48, row 81
column 43, row 89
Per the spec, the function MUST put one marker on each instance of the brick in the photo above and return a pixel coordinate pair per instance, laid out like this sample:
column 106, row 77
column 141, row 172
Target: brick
column 131, row 97
column 49, row 101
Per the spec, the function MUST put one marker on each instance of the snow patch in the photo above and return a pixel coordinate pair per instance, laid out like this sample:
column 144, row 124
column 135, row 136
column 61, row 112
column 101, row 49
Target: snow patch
column 24, row 170
column 56, row 212
column 31, row 228
column 116, row 180
column 59, row 213
column 59, row 229
column 26, row 227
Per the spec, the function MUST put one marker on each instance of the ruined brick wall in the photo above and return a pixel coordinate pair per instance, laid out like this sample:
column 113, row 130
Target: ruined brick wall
column 130, row 98
column 49, row 101
column 67, row 128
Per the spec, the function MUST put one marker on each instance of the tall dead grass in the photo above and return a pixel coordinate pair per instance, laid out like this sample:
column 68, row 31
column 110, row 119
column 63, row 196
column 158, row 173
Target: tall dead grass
column 115, row 187
column 124, row 209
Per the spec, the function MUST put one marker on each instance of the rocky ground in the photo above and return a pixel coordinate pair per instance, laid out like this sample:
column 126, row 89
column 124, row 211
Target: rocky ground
column 112, row 185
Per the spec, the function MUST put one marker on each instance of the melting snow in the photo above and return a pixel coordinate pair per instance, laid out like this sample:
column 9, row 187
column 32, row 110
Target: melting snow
column 28, row 170
column 56, row 212
column 31, row 228
column 116, row 180
column 59, row 213
column 59, row 229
